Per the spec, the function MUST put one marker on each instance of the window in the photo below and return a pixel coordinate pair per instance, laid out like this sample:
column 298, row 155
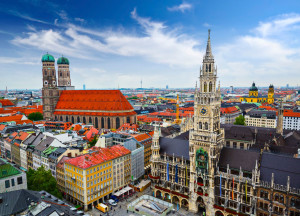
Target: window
column 227, row 144
column 12, row 182
column 234, row 144
column 241, row 145
column 7, row 184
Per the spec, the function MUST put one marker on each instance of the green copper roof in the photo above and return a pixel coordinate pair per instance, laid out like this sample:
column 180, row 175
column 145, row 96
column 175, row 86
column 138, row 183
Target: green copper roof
column 7, row 170
column 63, row 60
column 48, row 58
column 253, row 87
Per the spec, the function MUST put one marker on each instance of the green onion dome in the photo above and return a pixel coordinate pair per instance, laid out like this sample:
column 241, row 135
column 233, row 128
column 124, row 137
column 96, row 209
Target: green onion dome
column 253, row 87
column 48, row 58
column 62, row 60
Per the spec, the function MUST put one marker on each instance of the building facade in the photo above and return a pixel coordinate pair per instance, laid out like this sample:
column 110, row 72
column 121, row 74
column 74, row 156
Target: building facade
column 261, row 118
column 102, row 108
column 254, row 97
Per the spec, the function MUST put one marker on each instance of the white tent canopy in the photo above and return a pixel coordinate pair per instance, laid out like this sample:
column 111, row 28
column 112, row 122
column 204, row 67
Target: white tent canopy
column 123, row 191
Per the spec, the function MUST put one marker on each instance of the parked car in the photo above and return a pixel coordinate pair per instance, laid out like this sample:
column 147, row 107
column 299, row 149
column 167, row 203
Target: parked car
column 112, row 202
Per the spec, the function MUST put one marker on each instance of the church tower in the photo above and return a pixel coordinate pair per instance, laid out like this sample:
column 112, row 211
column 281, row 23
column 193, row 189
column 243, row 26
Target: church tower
column 279, row 126
column 50, row 91
column 64, row 78
column 206, row 138
column 271, row 94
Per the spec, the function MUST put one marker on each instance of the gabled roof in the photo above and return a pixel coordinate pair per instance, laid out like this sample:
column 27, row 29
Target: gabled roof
column 93, row 102
column 282, row 166
column 98, row 156
column 178, row 147
column 6, row 102
column 237, row 158
column 15, row 202
column 141, row 137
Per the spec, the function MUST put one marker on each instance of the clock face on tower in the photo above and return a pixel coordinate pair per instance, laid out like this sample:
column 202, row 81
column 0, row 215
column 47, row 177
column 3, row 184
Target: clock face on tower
column 203, row 111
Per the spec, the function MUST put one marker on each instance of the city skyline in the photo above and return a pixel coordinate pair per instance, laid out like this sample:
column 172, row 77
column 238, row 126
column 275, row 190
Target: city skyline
column 150, row 41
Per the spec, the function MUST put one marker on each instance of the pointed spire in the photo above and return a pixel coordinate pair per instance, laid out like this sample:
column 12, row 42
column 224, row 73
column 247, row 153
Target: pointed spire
column 208, row 47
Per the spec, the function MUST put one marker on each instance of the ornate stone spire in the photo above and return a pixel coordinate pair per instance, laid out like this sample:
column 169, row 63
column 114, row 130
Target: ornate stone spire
column 208, row 54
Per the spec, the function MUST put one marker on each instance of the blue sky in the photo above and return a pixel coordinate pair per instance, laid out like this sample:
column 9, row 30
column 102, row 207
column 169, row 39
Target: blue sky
column 118, row 43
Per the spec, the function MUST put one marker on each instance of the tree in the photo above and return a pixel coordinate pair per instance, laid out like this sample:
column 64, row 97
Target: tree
column 42, row 179
column 35, row 116
column 93, row 141
column 240, row 120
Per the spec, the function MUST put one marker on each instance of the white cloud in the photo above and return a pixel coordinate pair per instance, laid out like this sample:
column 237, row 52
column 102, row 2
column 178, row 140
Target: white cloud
column 265, row 57
column 157, row 44
column 182, row 7
column 280, row 24
column 63, row 15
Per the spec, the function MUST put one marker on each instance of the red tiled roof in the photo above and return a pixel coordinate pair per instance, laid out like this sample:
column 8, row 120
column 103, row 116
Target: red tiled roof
column 291, row 114
column 99, row 156
column 80, row 102
column 2, row 127
column 11, row 118
column 60, row 164
column 228, row 110
column 141, row 137
column 6, row 102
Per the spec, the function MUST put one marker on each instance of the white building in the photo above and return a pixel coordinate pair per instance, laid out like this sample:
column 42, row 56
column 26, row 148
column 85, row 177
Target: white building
column 291, row 120
column 11, row 178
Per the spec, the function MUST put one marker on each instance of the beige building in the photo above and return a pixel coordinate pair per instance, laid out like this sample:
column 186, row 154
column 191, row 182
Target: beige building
column 261, row 118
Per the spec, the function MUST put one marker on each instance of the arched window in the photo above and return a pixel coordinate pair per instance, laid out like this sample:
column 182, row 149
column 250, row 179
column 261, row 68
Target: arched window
column 205, row 87
column 96, row 122
column 83, row 119
column 206, row 68
column 67, row 118
column 108, row 123
column 209, row 67
column 55, row 118
column 200, row 125
column 117, row 123
column 128, row 119
column 210, row 87
column 45, row 73
column 102, row 122
column 78, row 119
column 276, row 197
column 90, row 120
column 281, row 199
column 61, row 118
column 73, row 119
column 206, row 126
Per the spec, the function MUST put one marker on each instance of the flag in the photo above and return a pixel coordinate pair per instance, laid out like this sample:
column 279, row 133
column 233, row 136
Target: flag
column 221, row 185
column 176, row 173
column 186, row 177
column 232, row 188
column 246, row 190
column 167, row 171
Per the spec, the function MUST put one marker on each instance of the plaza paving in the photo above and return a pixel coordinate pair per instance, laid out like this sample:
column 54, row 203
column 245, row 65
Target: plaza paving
column 120, row 211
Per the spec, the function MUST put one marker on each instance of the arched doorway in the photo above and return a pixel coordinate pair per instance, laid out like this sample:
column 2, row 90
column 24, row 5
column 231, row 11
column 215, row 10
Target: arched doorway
column 158, row 194
column 167, row 197
column 200, row 205
column 184, row 204
column 200, row 180
column 175, row 200
column 218, row 213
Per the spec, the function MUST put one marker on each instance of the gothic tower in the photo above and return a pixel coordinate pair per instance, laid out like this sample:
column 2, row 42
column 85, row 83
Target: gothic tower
column 63, row 72
column 50, row 91
column 155, row 151
column 279, row 126
column 206, row 138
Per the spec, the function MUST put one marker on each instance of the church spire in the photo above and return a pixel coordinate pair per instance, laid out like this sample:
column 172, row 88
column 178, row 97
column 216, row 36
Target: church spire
column 208, row 54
